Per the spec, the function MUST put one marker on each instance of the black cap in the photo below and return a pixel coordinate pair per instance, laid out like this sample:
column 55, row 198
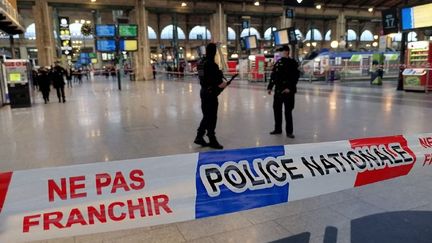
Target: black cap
column 283, row 48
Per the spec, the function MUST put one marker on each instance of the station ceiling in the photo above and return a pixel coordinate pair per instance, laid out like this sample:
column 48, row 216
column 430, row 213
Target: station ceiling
column 344, row 3
column 378, row 4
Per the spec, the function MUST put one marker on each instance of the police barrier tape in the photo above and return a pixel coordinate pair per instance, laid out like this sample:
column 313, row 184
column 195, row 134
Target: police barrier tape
column 91, row 198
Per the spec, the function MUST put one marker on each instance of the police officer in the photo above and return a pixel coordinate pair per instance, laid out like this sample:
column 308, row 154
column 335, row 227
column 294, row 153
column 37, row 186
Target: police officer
column 211, row 80
column 284, row 77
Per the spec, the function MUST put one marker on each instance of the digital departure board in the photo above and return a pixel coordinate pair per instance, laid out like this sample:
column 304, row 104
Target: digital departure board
column 416, row 17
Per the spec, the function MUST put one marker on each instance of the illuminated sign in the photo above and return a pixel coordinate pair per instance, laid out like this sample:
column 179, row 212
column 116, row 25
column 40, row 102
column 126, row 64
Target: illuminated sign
column 128, row 30
column 128, row 45
column 65, row 36
column 107, row 30
column 106, row 45
column 416, row 17
column 249, row 42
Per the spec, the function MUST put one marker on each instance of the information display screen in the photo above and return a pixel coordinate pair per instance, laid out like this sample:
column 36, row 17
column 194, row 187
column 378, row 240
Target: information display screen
column 281, row 37
column 14, row 77
column 105, row 30
column 128, row 30
column 416, row 17
column 249, row 42
column 106, row 45
column 128, row 45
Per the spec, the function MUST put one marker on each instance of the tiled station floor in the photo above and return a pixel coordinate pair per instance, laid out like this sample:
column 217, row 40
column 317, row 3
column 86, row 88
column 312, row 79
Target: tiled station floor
column 98, row 123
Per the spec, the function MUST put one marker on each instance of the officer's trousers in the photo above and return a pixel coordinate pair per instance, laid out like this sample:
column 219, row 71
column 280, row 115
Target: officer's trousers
column 209, row 107
column 286, row 100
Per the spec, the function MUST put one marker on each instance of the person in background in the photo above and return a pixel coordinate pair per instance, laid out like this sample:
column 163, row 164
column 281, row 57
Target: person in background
column 44, row 83
column 154, row 70
column 284, row 77
column 35, row 78
column 113, row 72
column 57, row 77
column 69, row 77
column 169, row 70
column 107, row 72
column 79, row 75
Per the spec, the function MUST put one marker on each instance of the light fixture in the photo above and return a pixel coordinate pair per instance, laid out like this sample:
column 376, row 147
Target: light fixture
column 314, row 44
column 82, row 21
column 92, row 1
column 308, row 44
column 318, row 6
column 234, row 56
column 334, row 44
column 256, row 3
column 299, row 1
column 183, row 4
column 370, row 10
column 88, row 21
column 368, row 45
column 375, row 37
column 375, row 44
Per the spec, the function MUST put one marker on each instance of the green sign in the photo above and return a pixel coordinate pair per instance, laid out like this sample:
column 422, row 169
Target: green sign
column 92, row 55
column 128, row 30
column 355, row 58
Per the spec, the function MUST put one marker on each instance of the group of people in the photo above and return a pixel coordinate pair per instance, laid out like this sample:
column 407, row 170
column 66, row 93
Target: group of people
column 45, row 77
column 284, row 78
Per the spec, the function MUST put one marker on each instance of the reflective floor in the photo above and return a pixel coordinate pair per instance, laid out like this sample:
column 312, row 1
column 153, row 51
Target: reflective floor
column 98, row 123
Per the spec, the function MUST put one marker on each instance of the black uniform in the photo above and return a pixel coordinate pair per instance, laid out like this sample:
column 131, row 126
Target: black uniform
column 210, row 78
column 58, row 81
column 285, row 75
column 44, row 84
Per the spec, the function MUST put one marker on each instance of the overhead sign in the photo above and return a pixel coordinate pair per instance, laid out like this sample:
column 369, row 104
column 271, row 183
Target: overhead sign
column 281, row 37
column 107, row 30
column 128, row 30
column 106, row 45
column 289, row 13
column 390, row 21
column 48, row 203
column 129, row 45
column 65, row 36
column 417, row 17
column 292, row 36
column 249, row 42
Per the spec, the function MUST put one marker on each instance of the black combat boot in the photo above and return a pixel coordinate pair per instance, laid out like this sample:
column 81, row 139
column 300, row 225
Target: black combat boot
column 214, row 143
column 199, row 139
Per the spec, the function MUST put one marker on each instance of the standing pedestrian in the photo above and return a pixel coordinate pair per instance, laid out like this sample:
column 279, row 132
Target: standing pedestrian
column 44, row 83
column 284, row 77
column 69, row 77
column 57, row 77
column 211, row 80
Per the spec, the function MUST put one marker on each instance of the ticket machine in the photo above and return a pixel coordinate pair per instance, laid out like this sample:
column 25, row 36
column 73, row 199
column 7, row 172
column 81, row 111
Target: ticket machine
column 18, row 86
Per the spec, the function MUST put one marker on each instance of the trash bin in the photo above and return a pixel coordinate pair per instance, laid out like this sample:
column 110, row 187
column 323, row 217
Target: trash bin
column 132, row 76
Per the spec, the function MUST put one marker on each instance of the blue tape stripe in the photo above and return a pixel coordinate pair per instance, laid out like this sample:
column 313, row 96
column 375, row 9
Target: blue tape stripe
column 228, row 201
